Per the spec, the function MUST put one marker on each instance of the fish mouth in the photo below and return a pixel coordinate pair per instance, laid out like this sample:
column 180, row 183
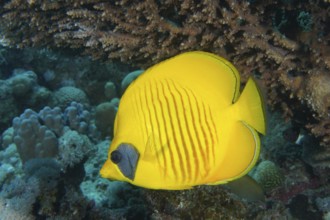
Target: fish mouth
column 104, row 172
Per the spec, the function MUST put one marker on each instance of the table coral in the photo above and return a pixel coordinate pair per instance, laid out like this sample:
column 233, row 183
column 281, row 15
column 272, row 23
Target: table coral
column 284, row 43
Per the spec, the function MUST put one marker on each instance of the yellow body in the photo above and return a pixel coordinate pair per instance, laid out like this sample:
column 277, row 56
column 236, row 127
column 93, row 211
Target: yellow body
column 189, row 123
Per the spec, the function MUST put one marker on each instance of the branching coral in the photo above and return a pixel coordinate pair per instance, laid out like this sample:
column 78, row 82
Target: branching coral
column 50, row 132
column 283, row 43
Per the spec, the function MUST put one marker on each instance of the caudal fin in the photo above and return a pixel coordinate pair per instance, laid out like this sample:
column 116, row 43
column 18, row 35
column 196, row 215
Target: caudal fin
column 251, row 107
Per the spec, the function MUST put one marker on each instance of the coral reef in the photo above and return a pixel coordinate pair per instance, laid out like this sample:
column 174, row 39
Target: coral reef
column 301, row 208
column 7, row 137
column 5, row 171
column 32, row 138
column 323, row 204
column 13, row 206
column 283, row 43
column 127, row 201
column 48, row 184
column 20, row 89
column 8, row 108
column 268, row 175
column 22, row 82
column 105, row 114
column 110, row 90
column 36, row 134
column 57, row 176
column 10, row 165
column 67, row 94
column 45, row 192
column 195, row 204
column 93, row 186
column 130, row 77
column 318, row 157
column 24, row 86
column 73, row 147
column 54, row 69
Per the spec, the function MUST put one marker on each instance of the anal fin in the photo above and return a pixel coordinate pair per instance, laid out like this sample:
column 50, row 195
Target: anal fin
column 246, row 187
column 243, row 149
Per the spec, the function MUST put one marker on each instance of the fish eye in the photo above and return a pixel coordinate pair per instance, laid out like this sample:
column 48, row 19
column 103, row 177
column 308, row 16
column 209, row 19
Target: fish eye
column 115, row 157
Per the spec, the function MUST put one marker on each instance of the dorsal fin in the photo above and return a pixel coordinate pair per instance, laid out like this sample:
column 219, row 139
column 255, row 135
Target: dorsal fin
column 215, row 78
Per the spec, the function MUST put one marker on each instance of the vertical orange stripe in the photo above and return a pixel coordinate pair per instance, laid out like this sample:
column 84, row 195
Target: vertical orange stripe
column 213, row 125
column 190, row 139
column 199, row 148
column 205, row 148
column 185, row 145
column 139, row 105
column 156, row 123
column 173, row 166
column 209, row 144
column 176, row 119
column 212, row 132
column 161, row 136
column 176, row 146
column 147, row 111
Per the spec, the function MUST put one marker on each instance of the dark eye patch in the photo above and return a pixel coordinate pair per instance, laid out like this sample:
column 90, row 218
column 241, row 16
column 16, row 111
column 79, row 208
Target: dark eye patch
column 126, row 157
column 115, row 157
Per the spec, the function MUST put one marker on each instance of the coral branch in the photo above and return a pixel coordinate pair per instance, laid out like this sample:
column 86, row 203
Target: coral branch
column 284, row 43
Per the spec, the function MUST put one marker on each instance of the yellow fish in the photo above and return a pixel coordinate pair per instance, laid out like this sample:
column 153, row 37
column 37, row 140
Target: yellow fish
column 183, row 123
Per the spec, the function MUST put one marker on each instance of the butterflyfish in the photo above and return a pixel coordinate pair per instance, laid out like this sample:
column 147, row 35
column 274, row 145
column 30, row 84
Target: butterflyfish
column 183, row 123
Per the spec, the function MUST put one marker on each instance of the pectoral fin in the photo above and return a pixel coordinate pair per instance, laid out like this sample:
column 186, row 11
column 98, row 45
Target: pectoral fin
column 246, row 187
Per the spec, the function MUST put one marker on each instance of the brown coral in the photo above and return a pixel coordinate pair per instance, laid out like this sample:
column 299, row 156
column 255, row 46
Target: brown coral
column 290, row 63
column 318, row 90
column 203, row 202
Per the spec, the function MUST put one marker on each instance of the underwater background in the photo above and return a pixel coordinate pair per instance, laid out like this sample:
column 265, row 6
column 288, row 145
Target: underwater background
column 64, row 66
